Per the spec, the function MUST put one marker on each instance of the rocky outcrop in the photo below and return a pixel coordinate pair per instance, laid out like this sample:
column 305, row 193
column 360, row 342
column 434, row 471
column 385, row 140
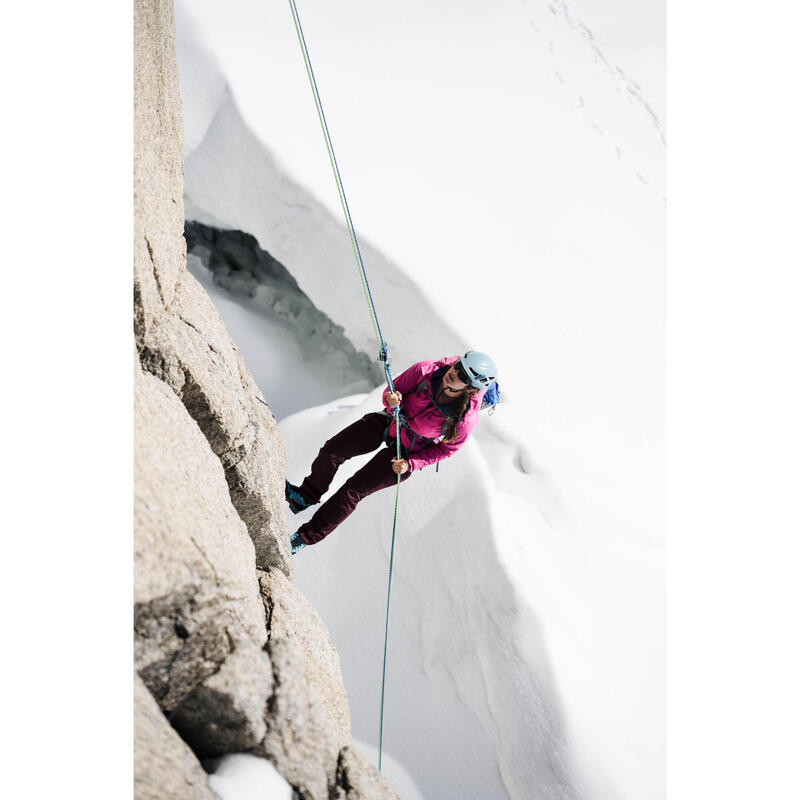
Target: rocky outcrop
column 180, row 336
column 187, row 347
column 226, row 713
column 158, row 148
column 163, row 765
column 196, row 601
column 289, row 615
column 309, row 716
column 357, row 779
column 229, row 656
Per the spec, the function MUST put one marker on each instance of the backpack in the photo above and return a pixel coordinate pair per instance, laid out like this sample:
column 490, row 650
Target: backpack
column 491, row 399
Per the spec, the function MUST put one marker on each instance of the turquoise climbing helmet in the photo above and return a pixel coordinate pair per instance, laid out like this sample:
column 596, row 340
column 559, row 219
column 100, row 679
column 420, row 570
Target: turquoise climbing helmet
column 479, row 368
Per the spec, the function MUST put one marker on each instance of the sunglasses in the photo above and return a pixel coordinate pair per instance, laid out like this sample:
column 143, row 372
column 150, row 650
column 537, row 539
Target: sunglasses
column 461, row 374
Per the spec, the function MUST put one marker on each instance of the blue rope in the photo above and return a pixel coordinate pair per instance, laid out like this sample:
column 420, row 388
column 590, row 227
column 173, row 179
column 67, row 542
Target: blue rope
column 383, row 355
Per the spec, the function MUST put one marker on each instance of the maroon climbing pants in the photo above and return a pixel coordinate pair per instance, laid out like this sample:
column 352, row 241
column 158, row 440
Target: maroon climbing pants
column 361, row 437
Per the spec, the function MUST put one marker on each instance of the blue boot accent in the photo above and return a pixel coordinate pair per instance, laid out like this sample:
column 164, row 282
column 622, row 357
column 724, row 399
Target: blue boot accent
column 295, row 500
column 297, row 544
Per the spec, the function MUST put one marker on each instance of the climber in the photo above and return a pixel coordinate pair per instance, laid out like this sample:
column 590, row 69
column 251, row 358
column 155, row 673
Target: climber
column 439, row 404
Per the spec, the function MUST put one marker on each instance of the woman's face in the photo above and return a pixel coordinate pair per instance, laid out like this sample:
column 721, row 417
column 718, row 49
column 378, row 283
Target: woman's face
column 452, row 380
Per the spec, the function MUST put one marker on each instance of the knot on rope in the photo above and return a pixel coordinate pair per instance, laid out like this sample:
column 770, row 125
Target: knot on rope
column 383, row 358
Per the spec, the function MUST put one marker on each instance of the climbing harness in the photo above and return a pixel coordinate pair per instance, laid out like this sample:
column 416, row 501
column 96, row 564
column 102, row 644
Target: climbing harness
column 383, row 355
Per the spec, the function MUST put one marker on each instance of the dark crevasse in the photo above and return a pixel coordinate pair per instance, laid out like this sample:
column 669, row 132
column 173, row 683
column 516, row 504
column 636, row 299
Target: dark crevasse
column 299, row 356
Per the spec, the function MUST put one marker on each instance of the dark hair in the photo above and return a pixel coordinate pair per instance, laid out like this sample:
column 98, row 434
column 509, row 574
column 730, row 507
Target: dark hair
column 451, row 423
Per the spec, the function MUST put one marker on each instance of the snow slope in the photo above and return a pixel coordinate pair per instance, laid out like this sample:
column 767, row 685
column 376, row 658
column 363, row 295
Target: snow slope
column 515, row 170
column 471, row 710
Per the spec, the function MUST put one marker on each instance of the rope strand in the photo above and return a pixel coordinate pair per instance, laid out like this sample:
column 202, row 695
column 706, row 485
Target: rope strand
column 339, row 185
column 383, row 356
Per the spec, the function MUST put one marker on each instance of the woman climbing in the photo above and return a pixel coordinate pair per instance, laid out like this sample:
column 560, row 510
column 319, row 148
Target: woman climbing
column 439, row 404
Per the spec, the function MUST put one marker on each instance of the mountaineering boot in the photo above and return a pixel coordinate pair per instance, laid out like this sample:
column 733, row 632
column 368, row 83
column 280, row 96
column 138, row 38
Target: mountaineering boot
column 296, row 542
column 295, row 500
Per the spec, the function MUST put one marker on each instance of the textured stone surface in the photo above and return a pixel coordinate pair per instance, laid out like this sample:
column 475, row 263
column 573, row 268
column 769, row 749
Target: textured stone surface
column 291, row 616
column 225, row 714
column 158, row 148
column 163, row 764
column 189, row 348
column 195, row 591
column 179, row 334
column 299, row 740
column 357, row 779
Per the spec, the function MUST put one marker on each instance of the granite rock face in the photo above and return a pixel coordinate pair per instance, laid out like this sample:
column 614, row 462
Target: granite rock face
column 180, row 336
column 229, row 655
column 298, row 742
column 290, row 616
column 357, row 779
column 226, row 713
column 308, row 721
column 188, row 347
column 195, row 597
column 163, row 765
column 158, row 147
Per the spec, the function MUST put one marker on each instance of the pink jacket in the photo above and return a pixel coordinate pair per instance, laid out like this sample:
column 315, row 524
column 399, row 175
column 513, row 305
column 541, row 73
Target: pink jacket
column 424, row 418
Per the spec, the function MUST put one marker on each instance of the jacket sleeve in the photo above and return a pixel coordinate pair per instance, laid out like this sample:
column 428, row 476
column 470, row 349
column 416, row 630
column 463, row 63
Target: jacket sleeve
column 436, row 452
column 405, row 382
